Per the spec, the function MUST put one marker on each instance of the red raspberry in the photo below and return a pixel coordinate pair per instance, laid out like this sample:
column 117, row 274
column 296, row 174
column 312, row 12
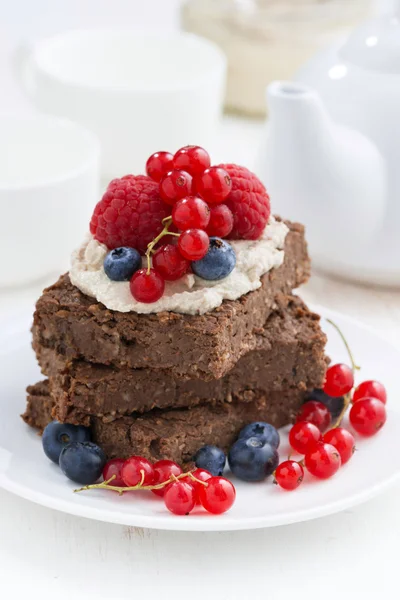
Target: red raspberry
column 249, row 203
column 129, row 214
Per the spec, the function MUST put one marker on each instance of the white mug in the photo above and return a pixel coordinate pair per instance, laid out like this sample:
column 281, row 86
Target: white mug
column 140, row 93
column 49, row 185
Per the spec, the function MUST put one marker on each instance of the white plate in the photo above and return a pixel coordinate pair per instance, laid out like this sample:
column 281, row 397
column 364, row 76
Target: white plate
column 25, row 471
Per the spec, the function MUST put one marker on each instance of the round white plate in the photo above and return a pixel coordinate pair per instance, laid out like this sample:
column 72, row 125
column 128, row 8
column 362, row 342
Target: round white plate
column 25, row 471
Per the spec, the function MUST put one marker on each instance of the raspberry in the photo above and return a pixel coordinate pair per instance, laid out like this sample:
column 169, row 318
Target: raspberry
column 129, row 214
column 249, row 203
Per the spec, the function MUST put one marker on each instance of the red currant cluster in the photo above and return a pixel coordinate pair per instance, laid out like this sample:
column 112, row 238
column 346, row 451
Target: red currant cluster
column 325, row 445
column 181, row 491
column 195, row 191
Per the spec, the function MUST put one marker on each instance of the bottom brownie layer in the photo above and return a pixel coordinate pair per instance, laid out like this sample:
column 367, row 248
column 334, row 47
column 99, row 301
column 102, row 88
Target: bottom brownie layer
column 173, row 434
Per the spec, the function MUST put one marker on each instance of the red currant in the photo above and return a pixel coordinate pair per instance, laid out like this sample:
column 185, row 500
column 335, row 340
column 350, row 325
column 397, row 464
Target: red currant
column 131, row 471
column 163, row 469
column 159, row 164
column 191, row 213
column 316, row 413
column 175, row 185
column 147, row 287
column 303, row 436
column 289, row 475
column 214, row 185
column 170, row 263
column 114, row 467
column 180, row 497
column 192, row 159
column 202, row 475
column 221, row 221
column 218, row 495
column 339, row 380
column 343, row 441
column 193, row 244
column 367, row 416
column 323, row 460
column 370, row 389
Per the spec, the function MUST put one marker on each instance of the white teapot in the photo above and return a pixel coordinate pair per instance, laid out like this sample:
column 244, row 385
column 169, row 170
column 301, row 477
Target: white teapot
column 331, row 156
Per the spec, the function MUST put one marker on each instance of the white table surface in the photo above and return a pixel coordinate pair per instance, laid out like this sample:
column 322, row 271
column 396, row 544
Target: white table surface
column 46, row 554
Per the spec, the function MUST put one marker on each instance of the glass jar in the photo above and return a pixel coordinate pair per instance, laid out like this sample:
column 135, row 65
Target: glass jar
column 268, row 39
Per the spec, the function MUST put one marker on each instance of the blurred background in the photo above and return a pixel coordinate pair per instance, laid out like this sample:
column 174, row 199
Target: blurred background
column 90, row 88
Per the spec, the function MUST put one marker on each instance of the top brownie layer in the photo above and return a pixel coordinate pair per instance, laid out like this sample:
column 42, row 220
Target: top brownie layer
column 200, row 346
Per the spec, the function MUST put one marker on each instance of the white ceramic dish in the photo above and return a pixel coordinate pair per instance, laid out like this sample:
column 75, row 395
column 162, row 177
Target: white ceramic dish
column 138, row 92
column 49, row 178
column 25, row 471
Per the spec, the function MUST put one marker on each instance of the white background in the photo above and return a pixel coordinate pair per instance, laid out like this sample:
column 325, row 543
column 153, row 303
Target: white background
column 45, row 554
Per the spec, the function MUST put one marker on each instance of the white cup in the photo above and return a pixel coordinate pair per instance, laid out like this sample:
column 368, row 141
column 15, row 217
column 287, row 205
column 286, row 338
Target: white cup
column 139, row 93
column 49, row 180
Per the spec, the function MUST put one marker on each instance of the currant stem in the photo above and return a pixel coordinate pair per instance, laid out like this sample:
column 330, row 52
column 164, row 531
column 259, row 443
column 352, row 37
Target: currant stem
column 354, row 366
column 346, row 404
column 166, row 222
column 105, row 485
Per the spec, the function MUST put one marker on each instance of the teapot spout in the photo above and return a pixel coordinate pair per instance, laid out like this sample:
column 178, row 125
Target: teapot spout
column 327, row 176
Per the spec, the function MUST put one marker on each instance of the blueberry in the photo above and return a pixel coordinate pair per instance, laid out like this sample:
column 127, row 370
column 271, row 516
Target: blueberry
column 252, row 459
column 264, row 430
column 334, row 405
column 120, row 264
column 57, row 436
column 82, row 462
column 212, row 459
column 219, row 261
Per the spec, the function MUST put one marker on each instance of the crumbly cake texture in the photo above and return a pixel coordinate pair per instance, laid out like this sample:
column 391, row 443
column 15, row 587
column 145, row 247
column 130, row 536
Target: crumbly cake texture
column 175, row 434
column 202, row 346
column 289, row 352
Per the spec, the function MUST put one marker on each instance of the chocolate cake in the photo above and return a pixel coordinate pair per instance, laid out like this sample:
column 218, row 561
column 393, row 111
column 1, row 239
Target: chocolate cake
column 205, row 346
column 174, row 433
column 289, row 352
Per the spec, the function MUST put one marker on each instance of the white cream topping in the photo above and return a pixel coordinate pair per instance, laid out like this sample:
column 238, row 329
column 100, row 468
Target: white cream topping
column 189, row 295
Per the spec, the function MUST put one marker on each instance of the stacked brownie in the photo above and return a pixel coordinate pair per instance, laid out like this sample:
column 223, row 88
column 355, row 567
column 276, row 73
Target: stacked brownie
column 162, row 385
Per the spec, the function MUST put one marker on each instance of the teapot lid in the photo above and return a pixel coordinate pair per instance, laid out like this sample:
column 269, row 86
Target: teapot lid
column 375, row 45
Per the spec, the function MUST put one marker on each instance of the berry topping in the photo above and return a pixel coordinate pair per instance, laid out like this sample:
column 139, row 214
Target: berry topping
column 163, row 469
column 334, row 405
column 121, row 263
column 159, row 164
column 82, row 462
column 339, row 380
column 218, row 495
column 221, row 221
column 136, row 469
column 316, row 413
column 248, row 202
column 202, row 475
column 175, row 185
column 113, row 468
column 289, row 475
column 368, row 416
column 323, row 460
column 214, row 185
column 191, row 213
column 147, row 286
column 129, row 214
column 343, row 441
column 170, row 263
column 303, row 436
column 192, row 159
column 264, row 430
column 370, row 389
column 193, row 244
column 211, row 459
column 57, row 436
column 180, row 497
column 218, row 263
column 252, row 459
